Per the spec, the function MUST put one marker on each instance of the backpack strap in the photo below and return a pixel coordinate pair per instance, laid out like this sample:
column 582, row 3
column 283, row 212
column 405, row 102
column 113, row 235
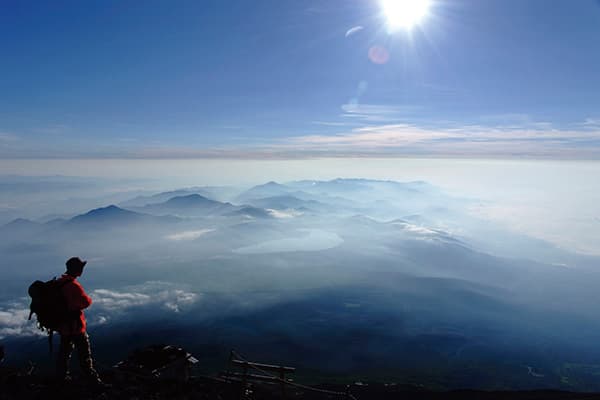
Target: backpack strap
column 50, row 331
column 63, row 283
column 50, row 341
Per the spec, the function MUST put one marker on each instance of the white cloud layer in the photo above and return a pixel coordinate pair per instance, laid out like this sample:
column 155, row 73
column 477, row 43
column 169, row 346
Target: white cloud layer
column 153, row 293
column 465, row 140
column 291, row 213
column 14, row 322
column 188, row 235
column 380, row 130
column 107, row 304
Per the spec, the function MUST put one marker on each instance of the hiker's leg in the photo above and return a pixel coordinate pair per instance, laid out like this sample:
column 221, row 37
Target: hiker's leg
column 84, row 352
column 64, row 356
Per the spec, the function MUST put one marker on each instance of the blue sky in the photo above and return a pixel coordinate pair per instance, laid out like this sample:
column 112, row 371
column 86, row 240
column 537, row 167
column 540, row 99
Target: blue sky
column 286, row 79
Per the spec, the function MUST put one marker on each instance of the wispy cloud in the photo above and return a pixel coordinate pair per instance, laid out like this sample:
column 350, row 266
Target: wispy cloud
column 127, row 140
column 52, row 129
column 154, row 293
column 320, row 9
column 402, row 139
column 377, row 112
column 514, row 121
column 460, row 140
column 7, row 137
column 371, row 137
column 283, row 214
column 354, row 30
column 188, row 235
column 367, row 130
column 332, row 123
column 591, row 122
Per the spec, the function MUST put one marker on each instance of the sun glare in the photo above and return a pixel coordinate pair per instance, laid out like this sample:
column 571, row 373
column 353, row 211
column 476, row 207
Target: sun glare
column 404, row 14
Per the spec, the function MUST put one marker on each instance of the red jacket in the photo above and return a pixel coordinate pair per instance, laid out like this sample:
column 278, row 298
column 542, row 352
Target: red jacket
column 77, row 301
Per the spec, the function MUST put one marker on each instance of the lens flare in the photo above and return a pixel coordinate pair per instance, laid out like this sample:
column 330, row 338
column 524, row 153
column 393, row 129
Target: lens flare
column 379, row 55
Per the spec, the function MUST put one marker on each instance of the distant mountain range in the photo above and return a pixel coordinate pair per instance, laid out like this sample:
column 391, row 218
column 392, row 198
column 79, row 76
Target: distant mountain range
column 116, row 216
column 213, row 192
column 192, row 205
column 141, row 201
column 340, row 274
column 95, row 220
column 338, row 196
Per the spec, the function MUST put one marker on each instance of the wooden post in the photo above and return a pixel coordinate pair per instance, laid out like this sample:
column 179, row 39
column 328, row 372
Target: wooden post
column 282, row 377
column 244, row 381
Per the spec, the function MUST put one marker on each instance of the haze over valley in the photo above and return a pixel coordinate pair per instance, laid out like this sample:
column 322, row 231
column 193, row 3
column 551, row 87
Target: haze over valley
column 346, row 276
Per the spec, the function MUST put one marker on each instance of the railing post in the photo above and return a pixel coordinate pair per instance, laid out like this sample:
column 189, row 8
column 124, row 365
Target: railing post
column 282, row 377
column 245, row 380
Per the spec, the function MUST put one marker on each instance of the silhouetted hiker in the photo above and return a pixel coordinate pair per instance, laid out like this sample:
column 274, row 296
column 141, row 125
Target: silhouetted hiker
column 73, row 331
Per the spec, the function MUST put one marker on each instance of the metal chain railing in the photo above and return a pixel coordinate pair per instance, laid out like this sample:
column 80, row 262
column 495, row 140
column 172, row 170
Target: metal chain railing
column 294, row 384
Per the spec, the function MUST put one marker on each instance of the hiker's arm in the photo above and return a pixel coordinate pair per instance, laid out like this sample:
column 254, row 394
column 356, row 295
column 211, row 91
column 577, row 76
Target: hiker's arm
column 78, row 299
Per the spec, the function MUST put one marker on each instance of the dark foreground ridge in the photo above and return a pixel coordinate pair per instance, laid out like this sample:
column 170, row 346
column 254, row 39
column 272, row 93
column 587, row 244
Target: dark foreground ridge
column 166, row 372
column 211, row 388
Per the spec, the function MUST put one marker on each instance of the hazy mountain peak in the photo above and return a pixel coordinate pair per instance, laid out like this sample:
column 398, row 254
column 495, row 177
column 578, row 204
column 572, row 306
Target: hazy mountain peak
column 270, row 184
column 21, row 222
column 111, row 209
column 188, row 199
column 107, row 213
column 268, row 189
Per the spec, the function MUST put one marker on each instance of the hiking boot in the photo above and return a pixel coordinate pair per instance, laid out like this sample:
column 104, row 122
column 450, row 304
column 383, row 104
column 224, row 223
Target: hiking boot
column 100, row 385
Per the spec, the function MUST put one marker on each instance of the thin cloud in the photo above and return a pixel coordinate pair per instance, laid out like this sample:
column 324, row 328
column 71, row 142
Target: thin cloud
column 372, row 137
column 376, row 112
column 399, row 139
column 371, row 130
column 591, row 122
column 8, row 137
column 188, row 235
column 283, row 214
column 353, row 30
column 53, row 129
column 153, row 293
column 465, row 140
column 329, row 123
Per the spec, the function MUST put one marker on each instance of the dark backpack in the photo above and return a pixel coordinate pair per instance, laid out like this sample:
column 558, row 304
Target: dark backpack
column 49, row 305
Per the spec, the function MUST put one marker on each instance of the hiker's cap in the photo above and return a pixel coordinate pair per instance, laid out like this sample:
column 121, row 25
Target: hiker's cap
column 75, row 264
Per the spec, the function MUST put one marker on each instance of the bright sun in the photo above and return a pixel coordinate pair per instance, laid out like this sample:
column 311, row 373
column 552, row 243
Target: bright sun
column 404, row 14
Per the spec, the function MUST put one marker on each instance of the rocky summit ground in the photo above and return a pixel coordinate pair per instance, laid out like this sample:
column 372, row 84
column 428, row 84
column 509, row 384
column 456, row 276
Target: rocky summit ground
column 15, row 384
